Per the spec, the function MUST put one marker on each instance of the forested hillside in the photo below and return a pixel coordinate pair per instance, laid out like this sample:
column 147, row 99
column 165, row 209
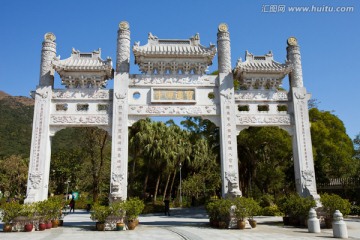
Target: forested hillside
column 16, row 115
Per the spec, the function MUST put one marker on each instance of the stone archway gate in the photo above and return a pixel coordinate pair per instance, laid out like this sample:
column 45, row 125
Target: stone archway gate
column 173, row 83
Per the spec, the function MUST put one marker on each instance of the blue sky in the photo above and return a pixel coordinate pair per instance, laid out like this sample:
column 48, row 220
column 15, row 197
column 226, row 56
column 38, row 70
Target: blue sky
column 330, row 41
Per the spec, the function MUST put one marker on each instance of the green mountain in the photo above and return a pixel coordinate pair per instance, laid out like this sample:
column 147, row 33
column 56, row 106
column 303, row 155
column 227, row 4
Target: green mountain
column 16, row 115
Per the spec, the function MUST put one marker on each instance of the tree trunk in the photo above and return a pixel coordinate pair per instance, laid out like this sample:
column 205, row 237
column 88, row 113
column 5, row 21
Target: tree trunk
column 166, row 186
column 146, row 182
column 172, row 183
column 156, row 187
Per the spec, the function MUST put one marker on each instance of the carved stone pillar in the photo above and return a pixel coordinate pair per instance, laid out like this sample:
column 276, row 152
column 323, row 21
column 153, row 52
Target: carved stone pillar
column 293, row 55
column 301, row 138
column 119, row 150
column 228, row 143
column 40, row 152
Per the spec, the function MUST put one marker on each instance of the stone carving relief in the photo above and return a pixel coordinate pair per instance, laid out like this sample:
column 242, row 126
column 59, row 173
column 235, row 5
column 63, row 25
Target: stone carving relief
column 83, row 94
column 116, row 184
column 309, row 187
column 42, row 93
column 262, row 120
column 261, row 95
column 120, row 95
column 79, row 119
column 35, row 180
column 308, row 177
column 299, row 95
column 173, row 110
column 233, row 186
column 172, row 80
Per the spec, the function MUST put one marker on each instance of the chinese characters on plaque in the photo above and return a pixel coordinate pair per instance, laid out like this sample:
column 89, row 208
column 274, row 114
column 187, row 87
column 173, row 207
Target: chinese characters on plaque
column 173, row 95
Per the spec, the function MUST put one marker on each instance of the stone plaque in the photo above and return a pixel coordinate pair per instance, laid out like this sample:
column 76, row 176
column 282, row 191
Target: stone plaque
column 169, row 95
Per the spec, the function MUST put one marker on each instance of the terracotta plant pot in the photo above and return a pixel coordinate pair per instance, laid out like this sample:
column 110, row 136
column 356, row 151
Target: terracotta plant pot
column 48, row 225
column 7, row 228
column 28, row 227
column 100, row 226
column 241, row 224
column 131, row 224
column 253, row 223
column 42, row 226
column 55, row 223
column 120, row 226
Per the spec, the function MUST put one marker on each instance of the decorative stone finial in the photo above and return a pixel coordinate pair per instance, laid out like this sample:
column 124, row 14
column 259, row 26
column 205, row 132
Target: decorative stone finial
column 292, row 41
column 223, row 27
column 49, row 37
column 124, row 25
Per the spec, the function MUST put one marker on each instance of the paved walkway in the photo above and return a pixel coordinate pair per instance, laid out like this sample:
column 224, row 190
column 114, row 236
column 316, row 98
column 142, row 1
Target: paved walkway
column 186, row 224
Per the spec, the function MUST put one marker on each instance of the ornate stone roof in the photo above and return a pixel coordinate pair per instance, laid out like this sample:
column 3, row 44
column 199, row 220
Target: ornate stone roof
column 84, row 69
column 163, row 56
column 261, row 71
column 261, row 64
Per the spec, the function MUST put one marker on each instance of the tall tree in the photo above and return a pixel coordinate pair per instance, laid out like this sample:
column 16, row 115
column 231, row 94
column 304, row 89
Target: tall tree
column 333, row 149
column 96, row 147
column 264, row 159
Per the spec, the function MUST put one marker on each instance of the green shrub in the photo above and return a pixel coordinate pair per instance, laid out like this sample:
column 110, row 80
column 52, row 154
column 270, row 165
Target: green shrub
column 354, row 210
column 99, row 213
column 133, row 207
column 333, row 202
column 10, row 210
column 272, row 210
column 219, row 209
column 295, row 205
column 153, row 208
column 246, row 207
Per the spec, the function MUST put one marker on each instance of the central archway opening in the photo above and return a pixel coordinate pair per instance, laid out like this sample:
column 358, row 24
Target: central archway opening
column 80, row 162
column 266, row 167
column 160, row 151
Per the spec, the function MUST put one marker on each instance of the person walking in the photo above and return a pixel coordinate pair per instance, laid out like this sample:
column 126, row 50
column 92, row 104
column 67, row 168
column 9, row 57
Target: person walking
column 167, row 206
column 72, row 205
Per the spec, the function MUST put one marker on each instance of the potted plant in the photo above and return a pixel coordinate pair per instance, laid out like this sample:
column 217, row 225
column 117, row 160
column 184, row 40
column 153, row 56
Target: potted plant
column 45, row 215
column 117, row 213
column 253, row 208
column 283, row 206
column 133, row 208
column 99, row 214
column 28, row 212
column 55, row 206
column 40, row 211
column 331, row 203
column 10, row 211
column 241, row 211
column 296, row 208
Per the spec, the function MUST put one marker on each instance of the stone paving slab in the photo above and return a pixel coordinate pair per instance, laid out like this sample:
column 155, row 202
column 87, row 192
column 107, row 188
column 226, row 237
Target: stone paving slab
column 186, row 224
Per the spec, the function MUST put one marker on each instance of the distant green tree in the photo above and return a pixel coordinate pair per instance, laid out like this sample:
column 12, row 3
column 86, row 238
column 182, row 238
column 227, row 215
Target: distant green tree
column 333, row 149
column 265, row 156
column 356, row 142
column 13, row 175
